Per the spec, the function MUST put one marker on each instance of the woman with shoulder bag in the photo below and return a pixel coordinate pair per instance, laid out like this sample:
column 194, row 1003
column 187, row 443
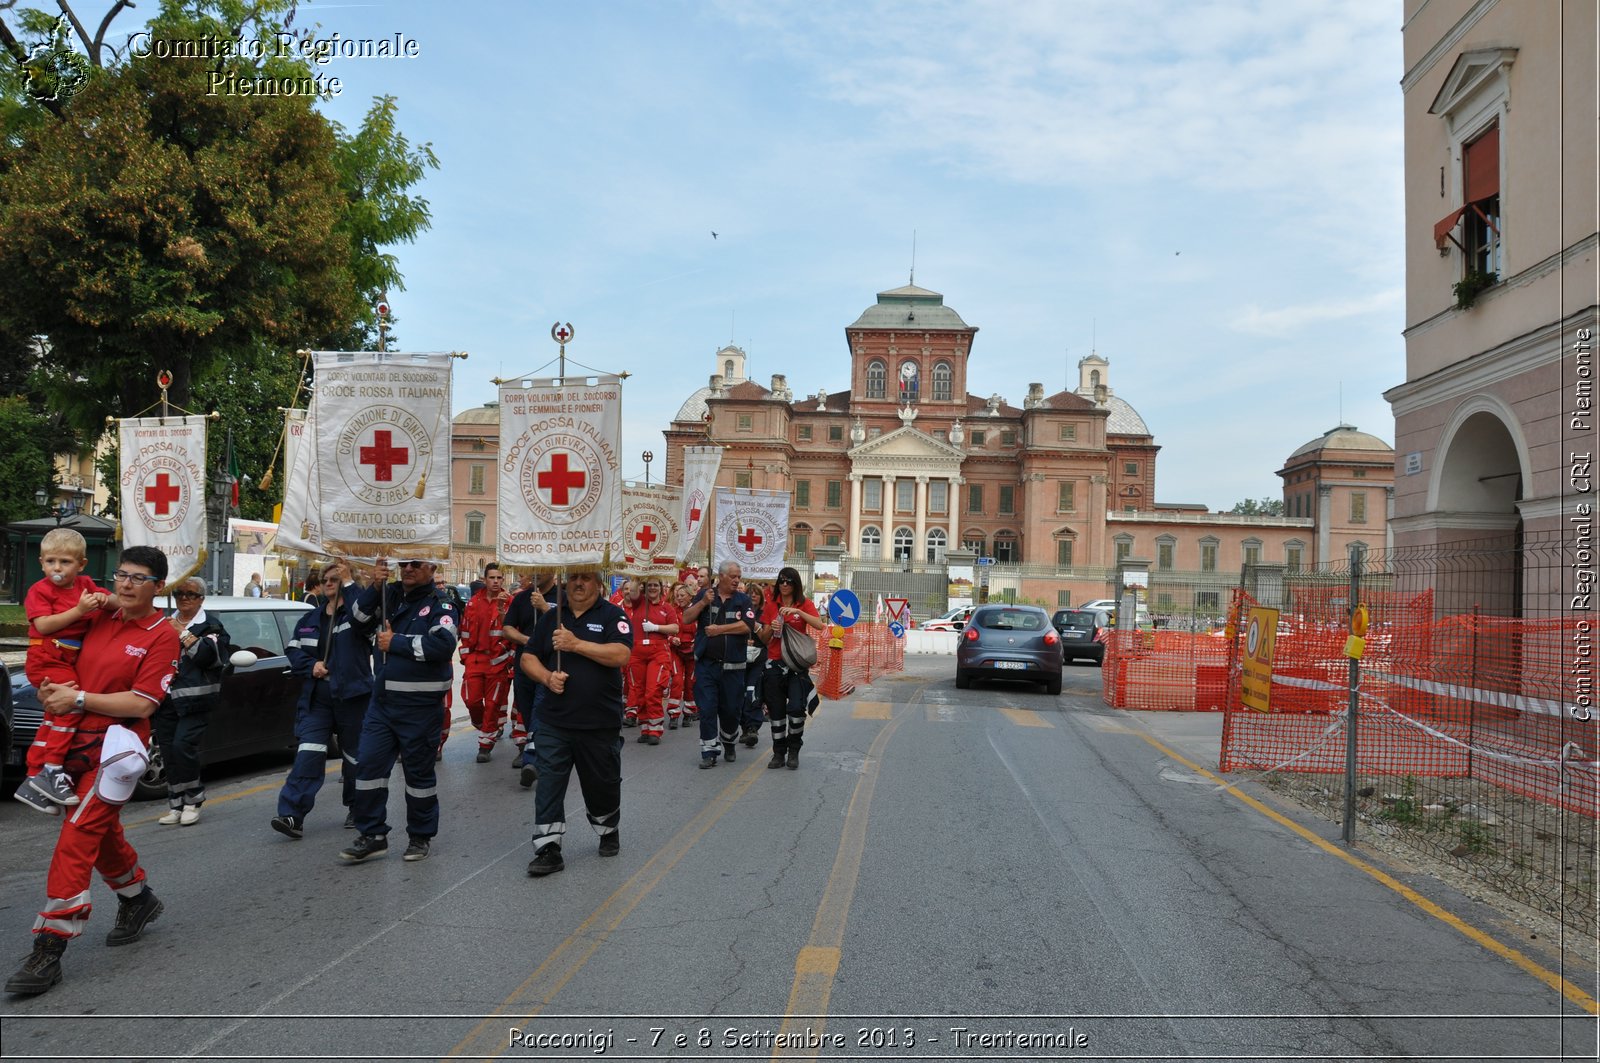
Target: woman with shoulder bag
column 788, row 685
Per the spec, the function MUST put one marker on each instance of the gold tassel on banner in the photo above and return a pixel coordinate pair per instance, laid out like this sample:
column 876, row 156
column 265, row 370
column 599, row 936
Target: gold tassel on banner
column 422, row 486
column 266, row 481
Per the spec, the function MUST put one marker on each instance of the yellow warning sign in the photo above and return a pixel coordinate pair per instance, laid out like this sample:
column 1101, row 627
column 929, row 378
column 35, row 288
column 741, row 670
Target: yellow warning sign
column 1260, row 636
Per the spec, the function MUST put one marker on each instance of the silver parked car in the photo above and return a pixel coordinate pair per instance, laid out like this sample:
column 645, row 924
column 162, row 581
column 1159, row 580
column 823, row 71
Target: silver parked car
column 1009, row 642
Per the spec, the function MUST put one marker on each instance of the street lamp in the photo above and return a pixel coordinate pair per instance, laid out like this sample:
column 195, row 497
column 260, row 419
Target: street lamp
column 648, row 458
column 61, row 513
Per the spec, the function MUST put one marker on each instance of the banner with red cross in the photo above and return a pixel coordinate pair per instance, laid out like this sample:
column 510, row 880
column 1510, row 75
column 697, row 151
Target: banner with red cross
column 752, row 529
column 560, row 495
column 381, row 424
column 163, row 488
column 700, row 465
column 651, row 533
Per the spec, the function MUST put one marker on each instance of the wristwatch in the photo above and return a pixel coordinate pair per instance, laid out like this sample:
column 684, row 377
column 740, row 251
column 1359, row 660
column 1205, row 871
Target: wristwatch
column 81, row 702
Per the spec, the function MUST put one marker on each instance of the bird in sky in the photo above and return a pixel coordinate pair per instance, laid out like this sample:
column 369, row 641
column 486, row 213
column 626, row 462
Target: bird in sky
column 713, row 234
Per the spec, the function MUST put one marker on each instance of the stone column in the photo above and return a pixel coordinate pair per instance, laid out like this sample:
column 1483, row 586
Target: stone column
column 919, row 549
column 1324, row 523
column 886, row 525
column 853, row 547
column 952, row 511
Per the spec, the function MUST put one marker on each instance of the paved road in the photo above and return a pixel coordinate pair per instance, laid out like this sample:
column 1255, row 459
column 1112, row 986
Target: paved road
column 984, row 874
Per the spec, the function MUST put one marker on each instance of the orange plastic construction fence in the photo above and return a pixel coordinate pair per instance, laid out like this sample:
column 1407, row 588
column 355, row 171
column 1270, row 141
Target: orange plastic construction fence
column 1461, row 696
column 869, row 651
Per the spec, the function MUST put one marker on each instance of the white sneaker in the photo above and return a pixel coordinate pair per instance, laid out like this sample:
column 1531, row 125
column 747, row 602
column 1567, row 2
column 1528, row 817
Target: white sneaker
column 170, row 818
column 190, row 816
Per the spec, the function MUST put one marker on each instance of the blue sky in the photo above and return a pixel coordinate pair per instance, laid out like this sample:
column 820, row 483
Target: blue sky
column 1207, row 193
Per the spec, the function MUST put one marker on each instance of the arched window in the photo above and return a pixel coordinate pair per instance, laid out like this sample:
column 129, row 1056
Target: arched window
column 902, row 544
column 877, row 376
column 871, row 543
column 973, row 540
column 941, row 381
column 936, row 545
column 1094, row 378
column 1007, row 551
column 910, row 381
column 727, row 369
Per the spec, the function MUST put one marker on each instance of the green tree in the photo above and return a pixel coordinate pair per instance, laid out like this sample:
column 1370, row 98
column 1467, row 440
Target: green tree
column 1259, row 507
column 158, row 226
column 24, row 461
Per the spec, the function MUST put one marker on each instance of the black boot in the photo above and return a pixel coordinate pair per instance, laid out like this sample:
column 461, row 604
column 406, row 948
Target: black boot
column 133, row 915
column 777, row 757
column 794, row 759
column 42, row 968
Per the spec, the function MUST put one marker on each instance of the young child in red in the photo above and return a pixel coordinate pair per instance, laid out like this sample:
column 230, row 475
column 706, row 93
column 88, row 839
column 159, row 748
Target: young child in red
column 58, row 609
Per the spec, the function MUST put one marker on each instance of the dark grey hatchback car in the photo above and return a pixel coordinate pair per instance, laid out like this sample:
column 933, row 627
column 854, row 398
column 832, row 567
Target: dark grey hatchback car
column 1080, row 633
column 1009, row 642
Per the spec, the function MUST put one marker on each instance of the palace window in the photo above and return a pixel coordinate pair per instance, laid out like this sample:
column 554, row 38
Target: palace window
column 802, row 494
column 941, row 381
column 1165, row 548
column 1008, row 437
column 746, row 422
column 1006, row 549
column 902, row 544
column 877, row 380
column 474, row 529
column 1124, row 547
column 803, row 433
column 742, row 479
column 872, row 495
column 974, row 541
column 835, row 433
column 1252, row 551
column 1008, row 498
column 835, row 494
column 938, row 496
column 936, row 545
column 1066, row 497
column 1208, row 555
column 1063, row 553
column 1358, row 507
column 871, row 543
column 905, row 496
column 475, row 480
column 1067, row 433
column 974, row 498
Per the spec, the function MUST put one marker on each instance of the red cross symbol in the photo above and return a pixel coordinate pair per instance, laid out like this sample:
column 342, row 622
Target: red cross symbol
column 694, row 514
column 646, row 536
column 163, row 493
column 559, row 479
column 749, row 540
column 383, row 455
column 563, row 334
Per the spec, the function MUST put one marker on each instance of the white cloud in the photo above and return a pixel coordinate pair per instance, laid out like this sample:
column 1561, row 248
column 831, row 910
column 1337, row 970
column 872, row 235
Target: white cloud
column 1286, row 321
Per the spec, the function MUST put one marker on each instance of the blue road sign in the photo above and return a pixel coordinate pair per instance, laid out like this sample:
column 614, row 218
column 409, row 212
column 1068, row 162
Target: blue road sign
column 897, row 629
column 984, row 560
column 844, row 608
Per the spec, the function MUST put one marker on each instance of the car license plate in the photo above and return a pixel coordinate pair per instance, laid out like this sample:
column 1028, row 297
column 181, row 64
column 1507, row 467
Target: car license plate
column 1018, row 665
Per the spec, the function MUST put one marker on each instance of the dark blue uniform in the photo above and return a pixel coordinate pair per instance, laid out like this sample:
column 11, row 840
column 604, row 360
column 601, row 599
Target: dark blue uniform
column 332, row 705
column 409, row 684
column 719, row 672
column 581, row 727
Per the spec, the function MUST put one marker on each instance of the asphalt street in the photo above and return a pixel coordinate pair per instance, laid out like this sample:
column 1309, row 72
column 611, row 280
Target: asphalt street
column 983, row 874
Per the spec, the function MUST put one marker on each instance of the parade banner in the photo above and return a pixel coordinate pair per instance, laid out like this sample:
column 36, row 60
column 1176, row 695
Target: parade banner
column 379, row 421
column 163, row 489
column 700, row 465
column 299, row 528
column 560, row 495
column 752, row 529
column 650, row 530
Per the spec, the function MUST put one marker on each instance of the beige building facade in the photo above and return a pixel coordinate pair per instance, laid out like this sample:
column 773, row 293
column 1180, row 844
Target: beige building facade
column 1494, row 424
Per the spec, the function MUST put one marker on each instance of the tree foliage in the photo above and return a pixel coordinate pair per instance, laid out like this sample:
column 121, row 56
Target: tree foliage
column 1259, row 507
column 24, row 460
column 149, row 223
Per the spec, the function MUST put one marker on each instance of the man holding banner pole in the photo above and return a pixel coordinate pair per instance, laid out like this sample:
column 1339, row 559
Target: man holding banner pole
column 413, row 669
column 719, row 651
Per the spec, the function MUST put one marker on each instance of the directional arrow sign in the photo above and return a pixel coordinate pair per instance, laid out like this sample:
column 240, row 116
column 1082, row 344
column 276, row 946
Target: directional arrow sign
column 844, row 608
column 896, row 629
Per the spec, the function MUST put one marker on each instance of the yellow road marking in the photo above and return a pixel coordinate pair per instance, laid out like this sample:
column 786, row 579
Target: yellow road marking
column 1025, row 717
column 487, row 1039
column 872, row 710
column 1506, row 952
column 818, row 962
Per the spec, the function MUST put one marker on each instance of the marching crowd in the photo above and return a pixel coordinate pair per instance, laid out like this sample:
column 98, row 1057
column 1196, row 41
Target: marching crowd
column 556, row 667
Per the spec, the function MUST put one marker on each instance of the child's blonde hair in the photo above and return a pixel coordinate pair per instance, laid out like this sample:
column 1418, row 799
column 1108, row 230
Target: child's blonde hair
column 63, row 541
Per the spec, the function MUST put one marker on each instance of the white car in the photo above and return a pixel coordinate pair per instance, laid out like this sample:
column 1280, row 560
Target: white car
column 954, row 620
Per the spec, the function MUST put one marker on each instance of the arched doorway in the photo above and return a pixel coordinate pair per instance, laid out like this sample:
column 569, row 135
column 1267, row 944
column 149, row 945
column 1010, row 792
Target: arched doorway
column 1482, row 470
